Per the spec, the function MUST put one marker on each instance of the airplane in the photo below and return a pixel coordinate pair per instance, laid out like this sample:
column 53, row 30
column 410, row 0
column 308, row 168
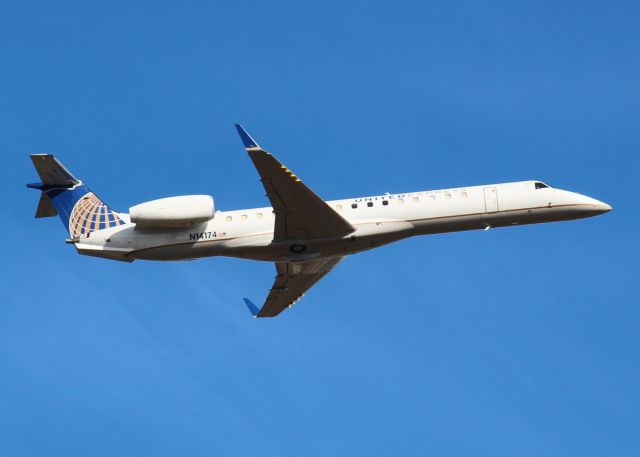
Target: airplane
column 302, row 234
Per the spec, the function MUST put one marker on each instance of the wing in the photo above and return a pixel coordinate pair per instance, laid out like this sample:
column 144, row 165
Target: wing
column 300, row 213
column 291, row 283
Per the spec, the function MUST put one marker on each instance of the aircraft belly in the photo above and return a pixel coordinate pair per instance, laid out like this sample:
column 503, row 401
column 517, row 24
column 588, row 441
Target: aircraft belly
column 253, row 247
column 524, row 216
column 543, row 214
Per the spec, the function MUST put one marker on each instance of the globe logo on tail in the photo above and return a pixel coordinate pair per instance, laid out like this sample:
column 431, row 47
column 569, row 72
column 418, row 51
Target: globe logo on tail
column 90, row 214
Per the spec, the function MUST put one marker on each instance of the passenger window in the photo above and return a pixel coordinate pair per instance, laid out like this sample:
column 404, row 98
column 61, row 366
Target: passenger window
column 243, row 217
column 463, row 194
column 259, row 215
column 447, row 196
column 339, row 207
column 385, row 202
column 400, row 201
column 415, row 199
column 354, row 205
column 432, row 197
column 369, row 204
column 228, row 218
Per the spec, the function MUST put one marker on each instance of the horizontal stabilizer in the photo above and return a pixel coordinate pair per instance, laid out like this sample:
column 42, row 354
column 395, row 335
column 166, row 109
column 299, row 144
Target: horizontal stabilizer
column 45, row 207
column 52, row 172
column 80, row 210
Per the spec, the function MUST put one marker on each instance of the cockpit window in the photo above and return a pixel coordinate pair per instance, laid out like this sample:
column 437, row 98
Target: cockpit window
column 541, row 185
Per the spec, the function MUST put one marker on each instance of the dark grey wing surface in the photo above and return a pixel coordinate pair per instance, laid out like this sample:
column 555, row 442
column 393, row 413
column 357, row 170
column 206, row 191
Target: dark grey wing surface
column 299, row 212
column 293, row 279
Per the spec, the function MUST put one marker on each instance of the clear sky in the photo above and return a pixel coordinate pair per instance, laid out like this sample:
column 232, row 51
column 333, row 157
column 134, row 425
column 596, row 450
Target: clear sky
column 520, row 341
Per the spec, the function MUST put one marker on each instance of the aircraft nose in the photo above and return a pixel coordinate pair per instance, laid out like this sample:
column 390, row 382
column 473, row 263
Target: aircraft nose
column 605, row 208
column 594, row 206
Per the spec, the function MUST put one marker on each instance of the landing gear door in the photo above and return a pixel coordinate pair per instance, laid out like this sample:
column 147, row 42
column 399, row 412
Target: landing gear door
column 491, row 199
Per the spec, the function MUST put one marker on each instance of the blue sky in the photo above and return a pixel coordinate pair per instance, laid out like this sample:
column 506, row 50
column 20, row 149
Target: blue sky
column 508, row 342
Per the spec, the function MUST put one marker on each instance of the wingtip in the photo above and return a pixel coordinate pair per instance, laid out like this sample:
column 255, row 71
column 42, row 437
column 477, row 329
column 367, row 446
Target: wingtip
column 246, row 138
column 252, row 307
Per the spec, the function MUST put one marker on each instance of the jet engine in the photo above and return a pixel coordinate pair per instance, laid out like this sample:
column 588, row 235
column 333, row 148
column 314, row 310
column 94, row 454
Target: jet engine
column 170, row 212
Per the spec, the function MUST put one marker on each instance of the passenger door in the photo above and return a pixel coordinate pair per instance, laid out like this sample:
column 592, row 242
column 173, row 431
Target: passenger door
column 491, row 199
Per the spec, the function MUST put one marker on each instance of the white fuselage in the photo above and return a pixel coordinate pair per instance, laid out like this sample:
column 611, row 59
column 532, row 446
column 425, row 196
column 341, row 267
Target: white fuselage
column 378, row 220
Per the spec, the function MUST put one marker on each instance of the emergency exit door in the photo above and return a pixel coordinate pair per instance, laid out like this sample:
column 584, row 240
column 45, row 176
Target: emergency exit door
column 491, row 199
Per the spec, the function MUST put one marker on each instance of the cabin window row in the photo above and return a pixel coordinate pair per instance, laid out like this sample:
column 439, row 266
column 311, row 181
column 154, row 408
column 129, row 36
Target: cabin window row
column 244, row 217
column 400, row 201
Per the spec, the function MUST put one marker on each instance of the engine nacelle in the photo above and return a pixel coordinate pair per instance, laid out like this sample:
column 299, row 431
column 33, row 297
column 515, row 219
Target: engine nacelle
column 173, row 211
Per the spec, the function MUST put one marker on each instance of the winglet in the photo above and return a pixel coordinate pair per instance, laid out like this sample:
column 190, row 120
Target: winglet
column 246, row 138
column 252, row 307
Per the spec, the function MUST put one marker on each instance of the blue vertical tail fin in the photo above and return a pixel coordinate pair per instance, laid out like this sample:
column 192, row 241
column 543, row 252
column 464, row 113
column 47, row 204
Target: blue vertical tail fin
column 80, row 210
